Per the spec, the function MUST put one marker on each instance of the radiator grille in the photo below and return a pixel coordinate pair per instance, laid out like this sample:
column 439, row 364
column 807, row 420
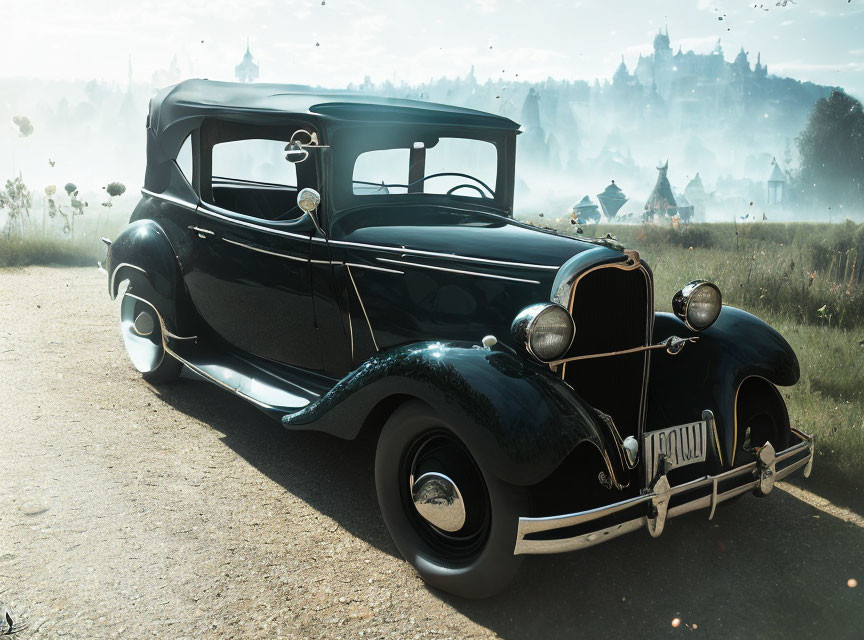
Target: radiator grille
column 612, row 310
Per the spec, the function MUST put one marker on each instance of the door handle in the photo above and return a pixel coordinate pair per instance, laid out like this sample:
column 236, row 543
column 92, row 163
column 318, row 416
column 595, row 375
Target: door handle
column 202, row 233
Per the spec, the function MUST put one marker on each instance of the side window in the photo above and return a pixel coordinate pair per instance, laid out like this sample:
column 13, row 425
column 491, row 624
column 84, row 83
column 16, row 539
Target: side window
column 184, row 159
column 251, row 177
column 253, row 160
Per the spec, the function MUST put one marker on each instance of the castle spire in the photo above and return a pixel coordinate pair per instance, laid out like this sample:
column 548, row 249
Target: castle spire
column 247, row 70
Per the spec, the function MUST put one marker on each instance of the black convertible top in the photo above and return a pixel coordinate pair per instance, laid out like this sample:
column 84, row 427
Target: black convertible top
column 179, row 109
column 194, row 99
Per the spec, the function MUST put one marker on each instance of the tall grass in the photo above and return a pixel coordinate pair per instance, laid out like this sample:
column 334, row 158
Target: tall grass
column 38, row 245
column 805, row 273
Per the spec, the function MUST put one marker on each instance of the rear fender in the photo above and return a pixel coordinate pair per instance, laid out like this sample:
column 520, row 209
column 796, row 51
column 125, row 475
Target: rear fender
column 143, row 254
column 707, row 373
column 517, row 419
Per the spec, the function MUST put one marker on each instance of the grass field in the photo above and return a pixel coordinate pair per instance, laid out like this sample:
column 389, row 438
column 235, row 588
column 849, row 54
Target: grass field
column 40, row 246
column 806, row 280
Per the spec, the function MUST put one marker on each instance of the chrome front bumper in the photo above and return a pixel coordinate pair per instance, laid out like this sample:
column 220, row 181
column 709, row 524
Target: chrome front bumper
column 653, row 507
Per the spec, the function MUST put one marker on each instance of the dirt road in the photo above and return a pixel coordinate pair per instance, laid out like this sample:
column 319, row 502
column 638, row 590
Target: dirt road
column 130, row 511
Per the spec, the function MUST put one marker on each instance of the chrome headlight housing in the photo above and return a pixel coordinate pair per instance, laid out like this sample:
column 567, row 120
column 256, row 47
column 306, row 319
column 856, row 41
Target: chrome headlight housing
column 545, row 329
column 698, row 304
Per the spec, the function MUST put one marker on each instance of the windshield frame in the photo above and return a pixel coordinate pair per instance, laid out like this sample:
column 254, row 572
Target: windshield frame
column 349, row 142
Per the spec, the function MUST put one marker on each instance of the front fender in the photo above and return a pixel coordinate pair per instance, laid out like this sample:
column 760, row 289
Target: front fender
column 706, row 373
column 143, row 254
column 517, row 419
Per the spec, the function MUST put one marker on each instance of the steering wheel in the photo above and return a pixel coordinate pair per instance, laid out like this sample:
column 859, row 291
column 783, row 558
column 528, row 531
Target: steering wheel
column 437, row 175
column 468, row 186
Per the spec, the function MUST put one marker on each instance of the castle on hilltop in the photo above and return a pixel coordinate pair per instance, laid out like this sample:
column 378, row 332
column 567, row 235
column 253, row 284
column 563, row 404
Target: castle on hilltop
column 673, row 72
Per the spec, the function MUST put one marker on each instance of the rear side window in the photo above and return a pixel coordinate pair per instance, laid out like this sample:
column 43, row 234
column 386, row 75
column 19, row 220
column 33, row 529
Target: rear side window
column 184, row 159
column 253, row 160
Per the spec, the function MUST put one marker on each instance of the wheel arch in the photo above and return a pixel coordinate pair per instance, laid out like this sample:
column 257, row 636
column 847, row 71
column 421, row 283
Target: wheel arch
column 707, row 374
column 143, row 254
column 518, row 420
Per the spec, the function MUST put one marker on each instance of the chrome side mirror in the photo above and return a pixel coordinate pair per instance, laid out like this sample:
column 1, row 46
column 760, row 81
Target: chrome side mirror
column 308, row 200
column 295, row 153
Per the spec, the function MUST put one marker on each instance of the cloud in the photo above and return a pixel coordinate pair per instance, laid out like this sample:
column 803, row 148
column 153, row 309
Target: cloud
column 786, row 23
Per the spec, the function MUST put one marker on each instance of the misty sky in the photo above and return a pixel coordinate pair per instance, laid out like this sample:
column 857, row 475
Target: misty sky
column 410, row 40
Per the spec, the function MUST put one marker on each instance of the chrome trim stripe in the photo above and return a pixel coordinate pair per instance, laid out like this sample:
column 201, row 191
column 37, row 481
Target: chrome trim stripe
column 363, row 307
column 213, row 210
column 174, row 336
column 269, row 253
column 528, row 526
column 171, row 199
column 450, row 256
column 210, row 210
column 460, row 271
column 114, row 274
column 369, row 266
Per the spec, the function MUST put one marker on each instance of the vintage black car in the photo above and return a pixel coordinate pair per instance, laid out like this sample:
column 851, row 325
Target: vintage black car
column 350, row 264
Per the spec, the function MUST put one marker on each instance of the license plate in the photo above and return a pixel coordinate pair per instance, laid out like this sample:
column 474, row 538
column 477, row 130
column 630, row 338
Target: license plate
column 682, row 445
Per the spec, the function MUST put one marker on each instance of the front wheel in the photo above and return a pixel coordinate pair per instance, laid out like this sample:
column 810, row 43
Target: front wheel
column 142, row 335
column 454, row 523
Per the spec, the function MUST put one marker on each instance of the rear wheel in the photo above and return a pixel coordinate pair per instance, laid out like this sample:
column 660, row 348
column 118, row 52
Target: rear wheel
column 142, row 335
column 454, row 523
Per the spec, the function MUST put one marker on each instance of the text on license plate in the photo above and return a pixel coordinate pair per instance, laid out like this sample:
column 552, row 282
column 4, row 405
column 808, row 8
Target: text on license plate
column 682, row 445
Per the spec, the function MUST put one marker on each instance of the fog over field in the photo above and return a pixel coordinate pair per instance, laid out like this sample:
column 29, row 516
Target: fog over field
column 722, row 91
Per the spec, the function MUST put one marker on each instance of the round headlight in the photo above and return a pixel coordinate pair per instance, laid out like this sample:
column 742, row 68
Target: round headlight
column 698, row 304
column 546, row 330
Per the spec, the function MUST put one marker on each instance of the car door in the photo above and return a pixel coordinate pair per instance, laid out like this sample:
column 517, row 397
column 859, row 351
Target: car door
column 249, row 272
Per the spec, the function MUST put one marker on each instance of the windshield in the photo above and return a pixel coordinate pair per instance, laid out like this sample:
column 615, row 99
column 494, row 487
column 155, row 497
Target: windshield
column 417, row 164
column 460, row 166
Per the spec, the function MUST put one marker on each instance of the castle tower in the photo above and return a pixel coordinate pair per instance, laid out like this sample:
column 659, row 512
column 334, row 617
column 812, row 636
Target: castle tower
column 247, row 70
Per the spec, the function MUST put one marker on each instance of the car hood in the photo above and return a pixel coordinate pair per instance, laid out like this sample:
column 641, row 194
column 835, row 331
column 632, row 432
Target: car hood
column 482, row 236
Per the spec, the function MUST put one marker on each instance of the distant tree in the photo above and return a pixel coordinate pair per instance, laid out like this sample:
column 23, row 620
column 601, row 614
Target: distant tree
column 114, row 190
column 25, row 127
column 832, row 150
column 16, row 199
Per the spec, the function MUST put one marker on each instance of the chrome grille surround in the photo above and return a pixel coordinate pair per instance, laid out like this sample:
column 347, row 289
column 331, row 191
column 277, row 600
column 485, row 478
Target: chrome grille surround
column 645, row 318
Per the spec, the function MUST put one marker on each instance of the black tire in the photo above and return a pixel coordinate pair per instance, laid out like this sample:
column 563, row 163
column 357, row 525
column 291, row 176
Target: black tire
column 475, row 562
column 146, row 352
column 166, row 373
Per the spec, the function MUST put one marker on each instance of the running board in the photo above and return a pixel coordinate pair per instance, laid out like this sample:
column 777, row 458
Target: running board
column 269, row 392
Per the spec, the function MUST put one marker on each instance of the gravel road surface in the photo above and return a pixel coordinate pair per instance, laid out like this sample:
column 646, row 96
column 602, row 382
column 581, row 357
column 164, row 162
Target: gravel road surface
column 182, row 512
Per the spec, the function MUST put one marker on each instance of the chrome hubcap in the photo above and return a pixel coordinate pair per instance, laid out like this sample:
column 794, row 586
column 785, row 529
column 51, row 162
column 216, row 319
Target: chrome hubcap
column 142, row 336
column 439, row 501
column 144, row 324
